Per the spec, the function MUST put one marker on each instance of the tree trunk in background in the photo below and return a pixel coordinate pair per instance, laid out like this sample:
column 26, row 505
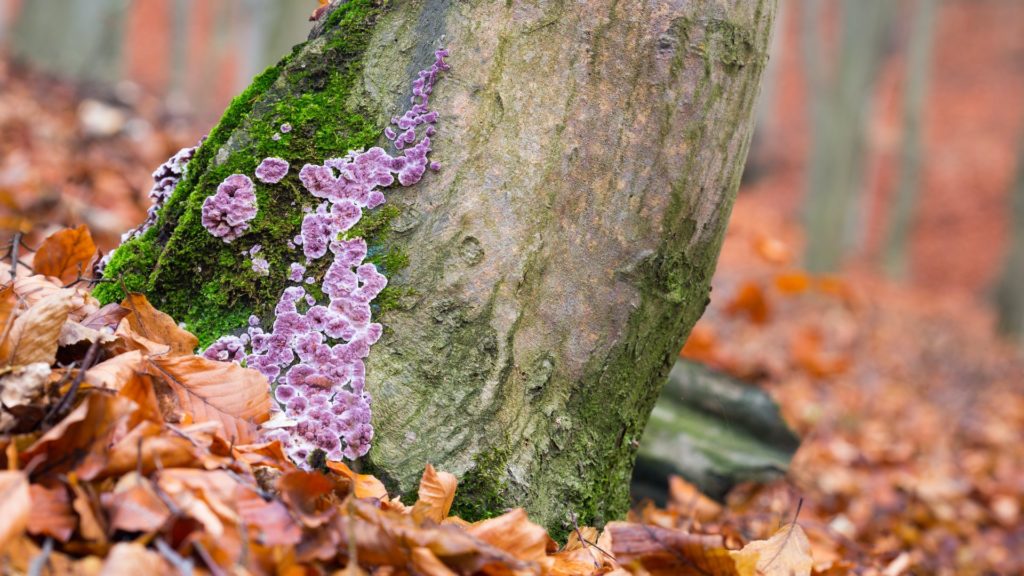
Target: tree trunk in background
column 919, row 59
column 80, row 40
column 1010, row 296
column 542, row 283
column 841, row 97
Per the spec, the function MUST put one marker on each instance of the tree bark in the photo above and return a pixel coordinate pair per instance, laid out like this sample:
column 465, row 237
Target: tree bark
column 542, row 282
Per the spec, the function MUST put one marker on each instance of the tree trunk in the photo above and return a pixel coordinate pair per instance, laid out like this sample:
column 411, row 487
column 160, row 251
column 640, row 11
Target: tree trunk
column 919, row 57
column 1010, row 292
column 841, row 98
column 542, row 282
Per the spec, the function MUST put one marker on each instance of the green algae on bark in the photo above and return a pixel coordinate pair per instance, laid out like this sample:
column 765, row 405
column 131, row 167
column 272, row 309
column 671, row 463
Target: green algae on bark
column 208, row 284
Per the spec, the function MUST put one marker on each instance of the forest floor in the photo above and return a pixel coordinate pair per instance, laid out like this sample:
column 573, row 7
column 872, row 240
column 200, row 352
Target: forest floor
column 911, row 409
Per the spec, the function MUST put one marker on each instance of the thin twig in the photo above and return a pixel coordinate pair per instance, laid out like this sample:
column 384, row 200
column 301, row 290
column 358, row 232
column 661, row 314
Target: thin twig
column 69, row 397
column 184, row 565
column 35, row 568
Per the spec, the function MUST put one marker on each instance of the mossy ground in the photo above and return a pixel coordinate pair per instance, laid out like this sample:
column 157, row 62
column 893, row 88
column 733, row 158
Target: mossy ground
column 209, row 284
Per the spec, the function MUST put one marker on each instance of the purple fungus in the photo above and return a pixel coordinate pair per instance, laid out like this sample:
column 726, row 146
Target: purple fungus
column 314, row 353
column 272, row 170
column 228, row 212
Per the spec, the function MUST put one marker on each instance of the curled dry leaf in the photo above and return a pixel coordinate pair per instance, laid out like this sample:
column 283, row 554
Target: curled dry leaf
column 786, row 553
column 514, row 533
column 130, row 559
column 24, row 385
column 88, row 428
column 667, row 551
column 363, row 485
column 65, row 254
column 114, row 372
column 238, row 398
column 156, row 326
column 133, row 505
column 436, row 494
column 108, row 317
column 51, row 512
column 34, row 334
column 15, row 504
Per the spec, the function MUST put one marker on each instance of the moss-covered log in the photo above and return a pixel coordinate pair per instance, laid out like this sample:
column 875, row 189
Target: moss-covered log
column 542, row 282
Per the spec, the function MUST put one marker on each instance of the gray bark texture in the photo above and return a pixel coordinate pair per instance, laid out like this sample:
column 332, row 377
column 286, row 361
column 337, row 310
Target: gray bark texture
column 551, row 270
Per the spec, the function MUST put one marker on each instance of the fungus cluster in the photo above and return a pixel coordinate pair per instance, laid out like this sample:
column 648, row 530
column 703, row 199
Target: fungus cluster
column 165, row 179
column 228, row 212
column 313, row 354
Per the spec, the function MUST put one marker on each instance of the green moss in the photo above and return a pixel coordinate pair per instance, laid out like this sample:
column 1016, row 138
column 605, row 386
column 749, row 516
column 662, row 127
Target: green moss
column 483, row 490
column 209, row 284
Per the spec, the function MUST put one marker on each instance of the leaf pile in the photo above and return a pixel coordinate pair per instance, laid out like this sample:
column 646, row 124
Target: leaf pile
column 123, row 452
column 910, row 408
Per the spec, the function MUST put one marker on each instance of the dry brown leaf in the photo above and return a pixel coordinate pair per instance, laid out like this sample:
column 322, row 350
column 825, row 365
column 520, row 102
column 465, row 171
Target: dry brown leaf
column 51, row 512
column 24, row 385
column 88, row 428
column 269, row 522
column 514, row 533
column 363, row 485
column 8, row 307
column 666, row 551
column 306, row 493
column 205, row 495
column 65, row 254
column 115, row 372
column 133, row 505
column 687, row 499
column 34, row 334
column 108, row 316
column 142, row 448
column 424, row 562
column 131, row 559
column 91, row 523
column 154, row 325
column 269, row 454
column 15, row 504
column 437, row 491
column 786, row 553
column 72, row 333
column 238, row 398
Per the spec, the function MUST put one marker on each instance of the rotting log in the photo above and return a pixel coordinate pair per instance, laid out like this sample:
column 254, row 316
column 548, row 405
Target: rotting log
column 542, row 282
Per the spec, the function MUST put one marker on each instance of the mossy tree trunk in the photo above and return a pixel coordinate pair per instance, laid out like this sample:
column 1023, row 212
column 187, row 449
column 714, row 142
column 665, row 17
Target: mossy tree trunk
column 542, row 282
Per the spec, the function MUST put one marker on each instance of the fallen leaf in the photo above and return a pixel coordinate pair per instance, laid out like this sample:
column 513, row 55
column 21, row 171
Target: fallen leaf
column 437, row 491
column 88, row 428
column 108, row 316
column 114, row 372
column 156, row 326
column 209, row 391
column 34, row 335
column 24, row 385
column 65, row 254
column 15, row 505
column 750, row 300
column 363, row 485
column 686, row 498
column 667, row 551
column 424, row 562
column 786, row 553
column 270, row 522
column 514, row 533
column 133, row 505
column 792, row 282
column 306, row 493
column 130, row 559
column 51, row 512
column 773, row 250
